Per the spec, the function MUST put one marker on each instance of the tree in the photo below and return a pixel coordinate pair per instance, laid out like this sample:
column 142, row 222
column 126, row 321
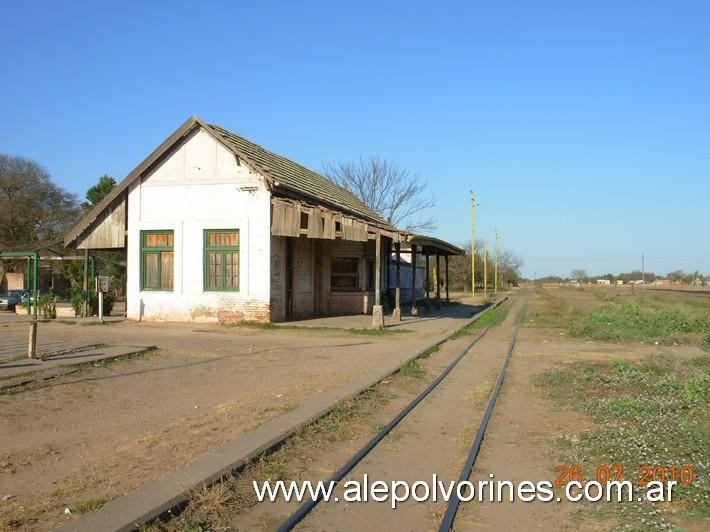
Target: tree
column 578, row 275
column 108, row 261
column 509, row 266
column 98, row 192
column 460, row 268
column 392, row 192
column 676, row 276
column 32, row 208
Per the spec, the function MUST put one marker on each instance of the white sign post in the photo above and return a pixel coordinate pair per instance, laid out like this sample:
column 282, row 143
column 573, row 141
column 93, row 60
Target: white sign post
column 102, row 284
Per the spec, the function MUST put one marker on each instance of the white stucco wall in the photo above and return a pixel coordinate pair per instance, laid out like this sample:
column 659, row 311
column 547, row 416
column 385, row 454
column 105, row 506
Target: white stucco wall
column 198, row 188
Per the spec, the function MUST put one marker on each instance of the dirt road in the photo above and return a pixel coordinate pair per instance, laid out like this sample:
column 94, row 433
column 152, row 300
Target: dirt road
column 78, row 440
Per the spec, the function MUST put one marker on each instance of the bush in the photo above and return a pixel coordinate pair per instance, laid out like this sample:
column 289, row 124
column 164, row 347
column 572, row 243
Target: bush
column 77, row 299
column 108, row 304
column 48, row 306
column 77, row 302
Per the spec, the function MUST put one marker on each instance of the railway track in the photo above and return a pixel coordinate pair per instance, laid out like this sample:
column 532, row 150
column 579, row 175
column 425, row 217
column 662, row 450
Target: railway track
column 448, row 519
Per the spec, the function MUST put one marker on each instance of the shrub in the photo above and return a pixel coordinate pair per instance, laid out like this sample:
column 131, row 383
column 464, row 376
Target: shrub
column 48, row 306
column 77, row 301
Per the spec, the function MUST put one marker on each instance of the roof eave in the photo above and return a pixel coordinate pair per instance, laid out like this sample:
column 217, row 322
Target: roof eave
column 279, row 187
column 186, row 128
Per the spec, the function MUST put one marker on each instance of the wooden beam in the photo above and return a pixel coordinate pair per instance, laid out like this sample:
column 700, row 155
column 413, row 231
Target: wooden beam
column 414, row 311
column 438, row 283
column 378, row 266
column 397, row 313
column 446, row 260
column 378, row 318
column 426, row 284
column 85, row 307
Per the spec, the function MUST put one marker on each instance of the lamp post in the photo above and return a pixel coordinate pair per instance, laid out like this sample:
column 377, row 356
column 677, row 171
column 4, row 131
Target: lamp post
column 495, row 264
column 485, row 270
column 473, row 245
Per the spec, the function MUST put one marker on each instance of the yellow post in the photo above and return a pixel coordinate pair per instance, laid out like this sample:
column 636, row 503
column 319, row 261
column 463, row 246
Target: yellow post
column 473, row 245
column 485, row 270
column 495, row 265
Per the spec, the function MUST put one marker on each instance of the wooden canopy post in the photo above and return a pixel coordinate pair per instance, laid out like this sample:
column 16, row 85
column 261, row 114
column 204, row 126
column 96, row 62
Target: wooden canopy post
column 85, row 287
column 446, row 262
column 397, row 313
column 426, row 283
column 378, row 318
column 414, row 311
column 438, row 283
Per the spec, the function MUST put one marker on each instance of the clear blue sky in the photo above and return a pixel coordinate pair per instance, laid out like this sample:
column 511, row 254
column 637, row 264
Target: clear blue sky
column 583, row 127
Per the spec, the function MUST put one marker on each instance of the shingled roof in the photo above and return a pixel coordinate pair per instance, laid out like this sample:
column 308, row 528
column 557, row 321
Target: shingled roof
column 284, row 176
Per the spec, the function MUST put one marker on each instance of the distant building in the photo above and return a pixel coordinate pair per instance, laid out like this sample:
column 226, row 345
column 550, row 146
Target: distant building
column 603, row 282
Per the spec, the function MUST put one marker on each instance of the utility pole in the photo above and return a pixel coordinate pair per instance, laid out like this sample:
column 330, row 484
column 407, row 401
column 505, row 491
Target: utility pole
column 485, row 270
column 643, row 270
column 495, row 264
column 473, row 245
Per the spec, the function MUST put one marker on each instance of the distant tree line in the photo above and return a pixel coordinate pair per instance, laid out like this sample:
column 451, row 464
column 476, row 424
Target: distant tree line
column 460, row 268
column 34, row 212
column 676, row 276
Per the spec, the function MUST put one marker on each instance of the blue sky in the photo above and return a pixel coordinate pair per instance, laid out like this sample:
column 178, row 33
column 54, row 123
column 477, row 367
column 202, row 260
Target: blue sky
column 583, row 127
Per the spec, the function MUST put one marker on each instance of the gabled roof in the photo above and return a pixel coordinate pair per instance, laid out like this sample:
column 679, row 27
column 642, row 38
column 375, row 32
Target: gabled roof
column 288, row 175
column 284, row 176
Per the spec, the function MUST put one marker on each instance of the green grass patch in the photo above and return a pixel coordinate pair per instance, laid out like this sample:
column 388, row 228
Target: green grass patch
column 90, row 505
column 492, row 318
column 413, row 369
column 661, row 318
column 427, row 354
column 630, row 321
column 655, row 412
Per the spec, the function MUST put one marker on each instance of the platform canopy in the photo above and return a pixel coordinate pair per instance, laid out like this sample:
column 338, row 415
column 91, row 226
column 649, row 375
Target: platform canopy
column 429, row 245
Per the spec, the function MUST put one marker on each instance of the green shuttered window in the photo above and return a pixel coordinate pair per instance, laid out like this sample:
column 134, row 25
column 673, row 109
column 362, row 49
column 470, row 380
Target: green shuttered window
column 157, row 260
column 221, row 261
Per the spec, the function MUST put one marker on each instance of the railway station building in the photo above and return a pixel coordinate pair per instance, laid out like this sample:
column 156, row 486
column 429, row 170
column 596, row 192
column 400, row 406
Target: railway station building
column 217, row 228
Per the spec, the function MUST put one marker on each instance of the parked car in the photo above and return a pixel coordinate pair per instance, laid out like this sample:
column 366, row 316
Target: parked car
column 10, row 299
column 26, row 297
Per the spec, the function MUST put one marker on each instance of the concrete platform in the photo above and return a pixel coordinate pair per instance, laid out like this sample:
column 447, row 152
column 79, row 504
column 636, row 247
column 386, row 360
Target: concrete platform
column 364, row 321
column 27, row 365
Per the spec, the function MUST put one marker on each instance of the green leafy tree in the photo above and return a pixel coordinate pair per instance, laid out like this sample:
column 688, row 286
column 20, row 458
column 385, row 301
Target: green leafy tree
column 98, row 192
column 108, row 262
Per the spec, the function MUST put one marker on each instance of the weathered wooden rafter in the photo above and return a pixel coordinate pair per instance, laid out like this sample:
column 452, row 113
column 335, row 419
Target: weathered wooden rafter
column 295, row 218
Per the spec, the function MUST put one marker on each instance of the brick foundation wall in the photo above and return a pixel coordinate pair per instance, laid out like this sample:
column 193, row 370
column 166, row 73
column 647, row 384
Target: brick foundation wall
column 252, row 311
column 350, row 302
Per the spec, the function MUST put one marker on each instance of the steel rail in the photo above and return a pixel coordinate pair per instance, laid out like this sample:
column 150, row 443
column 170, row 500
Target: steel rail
column 454, row 502
column 310, row 504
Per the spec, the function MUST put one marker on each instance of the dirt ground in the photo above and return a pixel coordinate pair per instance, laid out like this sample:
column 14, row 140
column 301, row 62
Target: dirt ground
column 520, row 443
column 80, row 439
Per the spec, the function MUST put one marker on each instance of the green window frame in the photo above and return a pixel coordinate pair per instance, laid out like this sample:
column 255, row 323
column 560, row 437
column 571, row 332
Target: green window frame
column 221, row 260
column 157, row 260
